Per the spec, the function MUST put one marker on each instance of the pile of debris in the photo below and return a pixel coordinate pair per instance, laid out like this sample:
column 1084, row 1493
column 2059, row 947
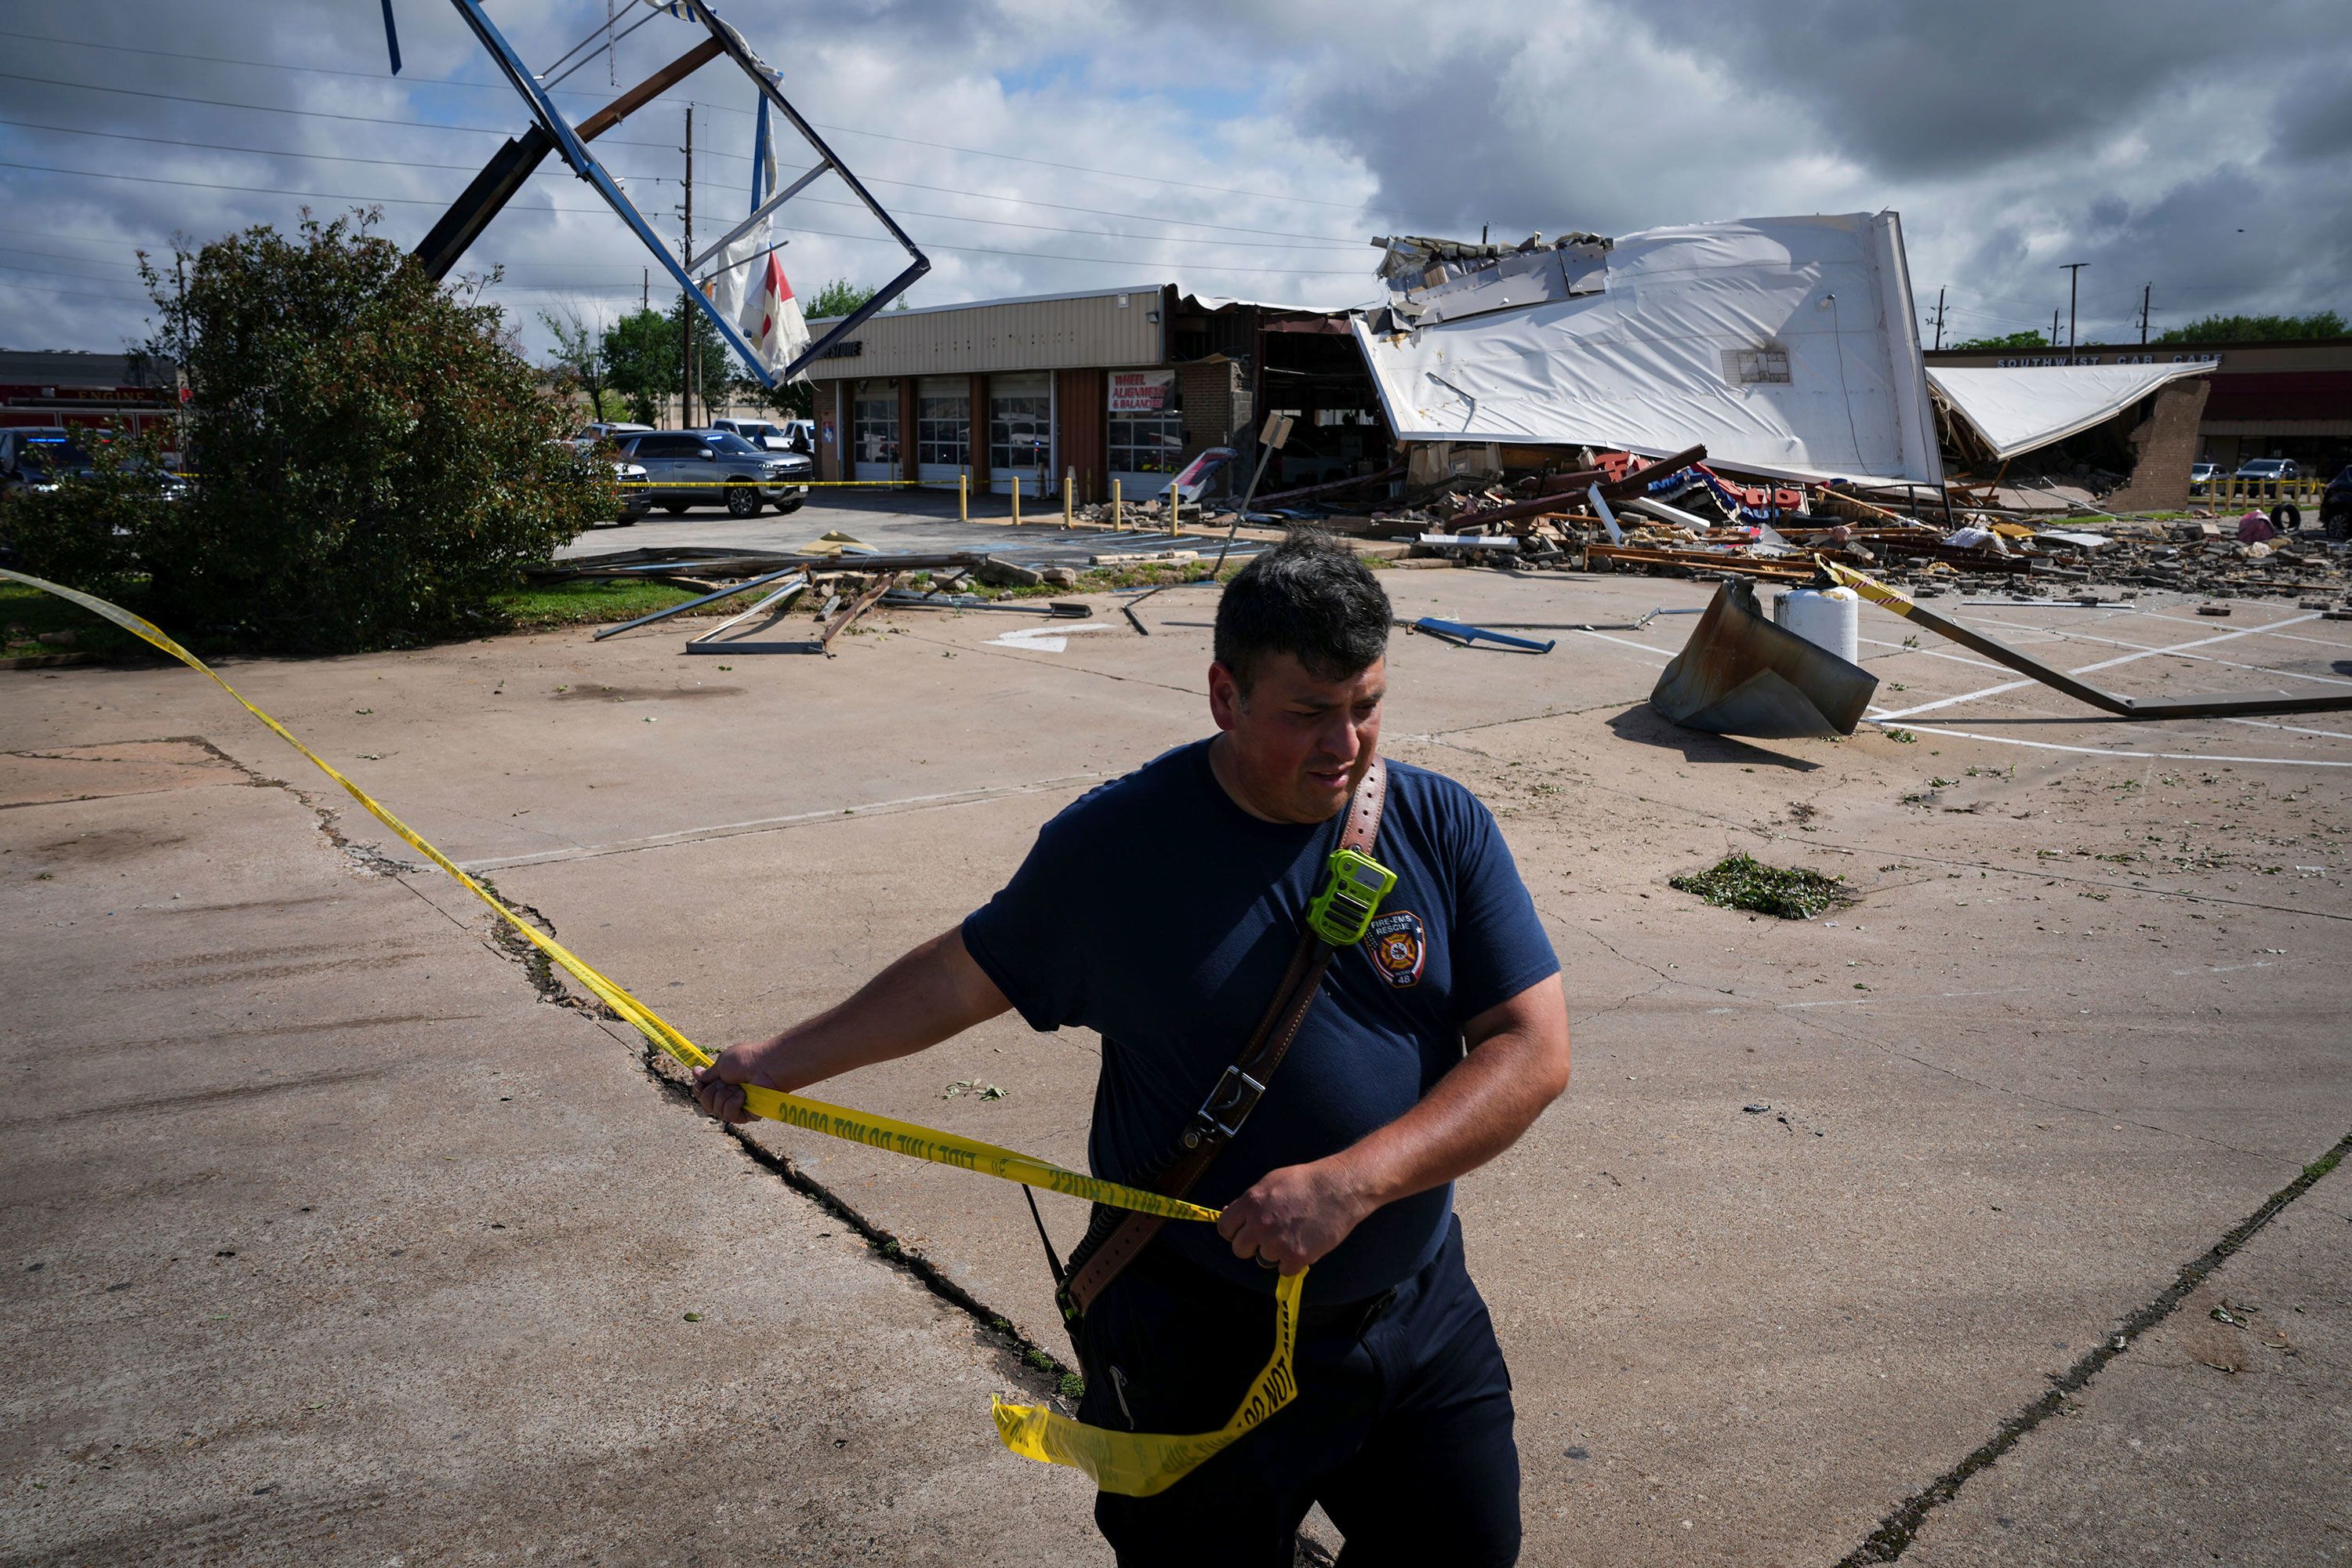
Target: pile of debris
column 842, row 578
column 1683, row 517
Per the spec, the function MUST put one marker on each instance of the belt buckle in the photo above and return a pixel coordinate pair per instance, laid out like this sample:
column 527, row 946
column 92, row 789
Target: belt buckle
column 1228, row 1105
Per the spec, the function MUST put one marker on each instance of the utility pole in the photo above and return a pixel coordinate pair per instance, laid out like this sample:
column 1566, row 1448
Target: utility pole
column 644, row 288
column 1939, row 318
column 2053, row 328
column 685, row 305
column 2146, row 290
column 2074, row 288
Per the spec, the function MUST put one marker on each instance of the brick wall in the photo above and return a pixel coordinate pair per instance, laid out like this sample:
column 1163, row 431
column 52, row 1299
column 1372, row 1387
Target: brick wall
column 1216, row 400
column 2166, row 443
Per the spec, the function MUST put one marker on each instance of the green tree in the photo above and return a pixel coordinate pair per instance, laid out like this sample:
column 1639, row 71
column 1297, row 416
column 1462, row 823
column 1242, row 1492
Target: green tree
column 837, row 298
column 640, row 358
column 578, row 362
column 371, row 461
column 644, row 361
column 2013, row 340
column 2257, row 329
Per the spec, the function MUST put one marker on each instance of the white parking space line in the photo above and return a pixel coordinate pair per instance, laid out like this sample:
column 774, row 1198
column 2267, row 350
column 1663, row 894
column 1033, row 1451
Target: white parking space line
column 2115, row 752
column 1657, row 653
column 2103, row 664
column 2152, row 647
column 2274, row 724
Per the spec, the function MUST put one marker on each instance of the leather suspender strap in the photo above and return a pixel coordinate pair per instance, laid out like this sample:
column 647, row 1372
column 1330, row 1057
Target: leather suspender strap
column 1107, row 1250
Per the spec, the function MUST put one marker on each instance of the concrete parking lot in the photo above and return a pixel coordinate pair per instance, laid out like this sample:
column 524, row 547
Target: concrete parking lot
column 336, row 1233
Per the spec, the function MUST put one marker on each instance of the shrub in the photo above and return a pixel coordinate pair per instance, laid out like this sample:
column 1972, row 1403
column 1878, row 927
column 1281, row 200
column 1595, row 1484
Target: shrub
column 83, row 532
column 370, row 458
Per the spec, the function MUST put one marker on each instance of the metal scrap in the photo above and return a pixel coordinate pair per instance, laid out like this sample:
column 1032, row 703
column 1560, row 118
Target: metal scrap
column 1741, row 675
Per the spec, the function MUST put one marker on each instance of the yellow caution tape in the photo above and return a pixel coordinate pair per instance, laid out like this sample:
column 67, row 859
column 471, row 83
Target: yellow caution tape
column 1136, row 1463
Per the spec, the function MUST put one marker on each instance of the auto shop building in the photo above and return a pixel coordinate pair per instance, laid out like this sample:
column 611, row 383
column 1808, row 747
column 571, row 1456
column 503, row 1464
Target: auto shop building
column 1110, row 383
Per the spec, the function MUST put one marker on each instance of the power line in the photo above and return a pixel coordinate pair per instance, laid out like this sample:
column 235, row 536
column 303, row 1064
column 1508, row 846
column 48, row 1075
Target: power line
column 53, row 272
column 821, row 232
column 77, row 294
column 665, row 179
column 62, row 256
column 1333, row 240
column 842, row 129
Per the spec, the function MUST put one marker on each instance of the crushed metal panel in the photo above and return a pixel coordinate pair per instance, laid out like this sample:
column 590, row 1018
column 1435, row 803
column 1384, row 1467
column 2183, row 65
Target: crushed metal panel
column 2017, row 408
column 1741, row 675
column 1640, row 364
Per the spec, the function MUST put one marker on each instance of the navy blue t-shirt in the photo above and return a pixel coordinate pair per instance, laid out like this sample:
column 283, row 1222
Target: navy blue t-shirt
column 1158, row 913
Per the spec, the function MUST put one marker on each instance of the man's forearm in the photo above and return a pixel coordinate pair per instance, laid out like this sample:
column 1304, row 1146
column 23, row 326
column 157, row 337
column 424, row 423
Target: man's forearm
column 933, row 992
column 1474, row 1112
column 1516, row 1064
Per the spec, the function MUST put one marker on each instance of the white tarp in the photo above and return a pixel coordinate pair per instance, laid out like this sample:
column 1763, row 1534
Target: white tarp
column 2018, row 409
column 1788, row 345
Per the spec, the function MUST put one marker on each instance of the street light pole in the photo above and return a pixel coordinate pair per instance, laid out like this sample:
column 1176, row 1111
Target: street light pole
column 2073, row 288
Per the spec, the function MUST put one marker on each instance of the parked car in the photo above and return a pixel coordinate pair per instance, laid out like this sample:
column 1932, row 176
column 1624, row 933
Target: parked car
column 2335, row 506
column 769, row 435
column 2201, row 477
column 608, row 430
column 37, row 457
column 2269, row 470
column 704, row 467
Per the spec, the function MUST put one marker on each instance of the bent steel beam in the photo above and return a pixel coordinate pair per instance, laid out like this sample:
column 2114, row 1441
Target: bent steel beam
column 2216, row 707
column 553, row 132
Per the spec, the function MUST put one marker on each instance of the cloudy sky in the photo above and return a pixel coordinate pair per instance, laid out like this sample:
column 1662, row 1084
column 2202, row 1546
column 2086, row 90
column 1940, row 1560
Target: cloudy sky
column 1035, row 145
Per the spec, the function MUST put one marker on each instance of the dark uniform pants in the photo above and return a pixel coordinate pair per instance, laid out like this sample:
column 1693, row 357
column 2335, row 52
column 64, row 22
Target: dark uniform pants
column 1401, row 1430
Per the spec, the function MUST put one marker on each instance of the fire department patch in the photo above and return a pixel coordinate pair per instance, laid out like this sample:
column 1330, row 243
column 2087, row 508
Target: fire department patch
column 1399, row 947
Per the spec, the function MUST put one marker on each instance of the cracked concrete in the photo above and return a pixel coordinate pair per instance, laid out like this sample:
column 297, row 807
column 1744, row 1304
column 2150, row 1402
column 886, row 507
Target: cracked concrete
column 2066, row 1040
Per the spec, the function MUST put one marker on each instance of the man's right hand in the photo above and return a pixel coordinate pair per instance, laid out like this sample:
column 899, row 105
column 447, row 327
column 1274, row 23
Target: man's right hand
column 933, row 992
column 718, row 1089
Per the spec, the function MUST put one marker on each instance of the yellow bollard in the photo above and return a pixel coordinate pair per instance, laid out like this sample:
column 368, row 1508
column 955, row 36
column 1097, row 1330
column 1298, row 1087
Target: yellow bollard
column 1016, row 500
column 963, row 498
column 1175, row 510
column 1069, row 482
column 1114, row 523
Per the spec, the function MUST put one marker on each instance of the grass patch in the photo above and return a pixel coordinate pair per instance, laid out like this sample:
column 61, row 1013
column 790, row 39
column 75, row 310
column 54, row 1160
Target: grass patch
column 596, row 600
column 1740, row 881
column 26, row 613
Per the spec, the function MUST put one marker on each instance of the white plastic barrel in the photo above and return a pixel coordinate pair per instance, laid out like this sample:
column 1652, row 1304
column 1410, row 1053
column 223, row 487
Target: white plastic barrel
column 1829, row 619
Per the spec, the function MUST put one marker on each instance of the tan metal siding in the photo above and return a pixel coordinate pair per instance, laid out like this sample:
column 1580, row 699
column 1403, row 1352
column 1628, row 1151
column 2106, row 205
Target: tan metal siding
column 1035, row 334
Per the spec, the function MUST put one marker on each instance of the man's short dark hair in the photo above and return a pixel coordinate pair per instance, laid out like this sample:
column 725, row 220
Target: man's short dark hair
column 1309, row 597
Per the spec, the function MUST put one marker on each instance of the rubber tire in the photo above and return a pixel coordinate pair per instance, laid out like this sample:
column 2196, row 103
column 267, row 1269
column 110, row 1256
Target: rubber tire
column 2339, row 527
column 2286, row 517
column 624, row 523
column 742, row 500
column 675, row 507
column 783, row 507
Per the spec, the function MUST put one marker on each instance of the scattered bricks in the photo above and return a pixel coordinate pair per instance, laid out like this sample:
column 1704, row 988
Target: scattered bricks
column 2213, row 609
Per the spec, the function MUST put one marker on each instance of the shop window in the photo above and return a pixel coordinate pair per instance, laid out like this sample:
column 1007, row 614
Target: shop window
column 1020, row 431
column 943, row 430
column 1147, row 422
column 874, row 435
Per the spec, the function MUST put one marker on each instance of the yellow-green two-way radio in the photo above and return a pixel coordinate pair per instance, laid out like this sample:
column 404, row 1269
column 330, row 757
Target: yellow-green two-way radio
column 1342, row 912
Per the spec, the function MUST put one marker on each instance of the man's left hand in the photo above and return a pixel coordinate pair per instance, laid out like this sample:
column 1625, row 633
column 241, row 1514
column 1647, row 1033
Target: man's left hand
column 1293, row 1216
